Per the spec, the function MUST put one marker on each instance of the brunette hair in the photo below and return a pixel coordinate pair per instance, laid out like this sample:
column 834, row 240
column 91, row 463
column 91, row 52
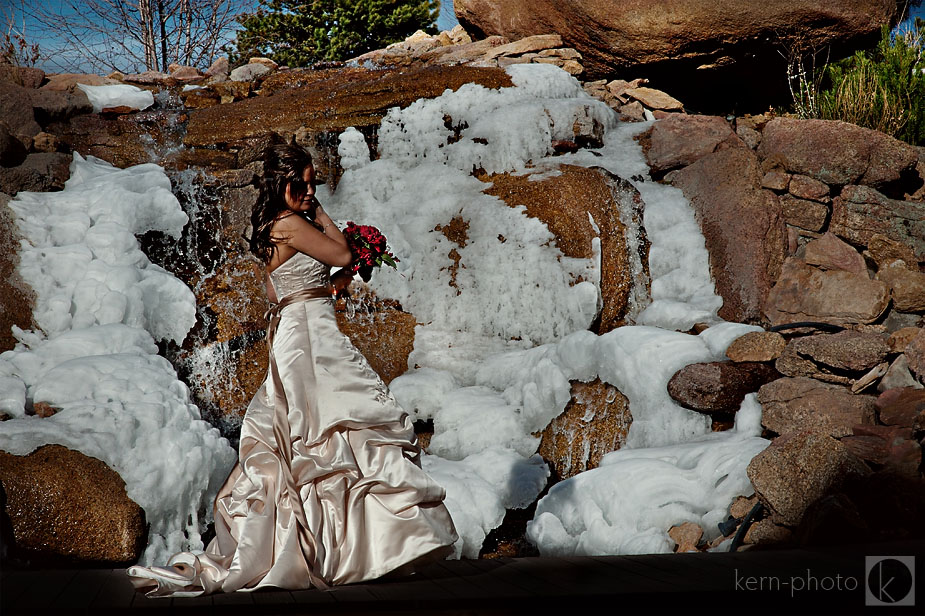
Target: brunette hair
column 283, row 165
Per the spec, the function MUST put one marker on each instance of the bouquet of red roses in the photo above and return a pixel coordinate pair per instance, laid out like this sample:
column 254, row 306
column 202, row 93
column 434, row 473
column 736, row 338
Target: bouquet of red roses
column 369, row 249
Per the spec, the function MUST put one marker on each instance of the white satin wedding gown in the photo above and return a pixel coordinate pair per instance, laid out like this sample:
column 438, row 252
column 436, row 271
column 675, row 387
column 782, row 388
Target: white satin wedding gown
column 328, row 488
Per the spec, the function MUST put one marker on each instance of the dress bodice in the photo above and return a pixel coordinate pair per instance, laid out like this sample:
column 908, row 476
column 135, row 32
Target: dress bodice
column 299, row 272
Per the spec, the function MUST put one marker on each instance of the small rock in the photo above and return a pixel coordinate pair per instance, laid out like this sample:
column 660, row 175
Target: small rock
column 270, row 64
column 756, row 346
column 915, row 355
column 904, row 407
column 900, row 339
column 186, row 74
column 655, row 99
column 46, row 142
column 219, row 67
column 750, row 136
column 679, row 140
column 44, row 409
column 775, row 180
column 529, row 44
column 40, row 172
column 634, row 112
column 687, row 536
column 828, row 252
column 805, row 214
column 792, row 473
column 741, row 506
column 459, row 35
column 907, row 287
column 884, row 250
column 148, row 77
column 898, row 375
column 249, row 72
column 766, row 532
column 859, row 213
column 805, row 187
column 791, row 404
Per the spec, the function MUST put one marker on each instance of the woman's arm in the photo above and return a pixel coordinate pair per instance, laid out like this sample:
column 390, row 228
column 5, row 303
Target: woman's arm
column 297, row 234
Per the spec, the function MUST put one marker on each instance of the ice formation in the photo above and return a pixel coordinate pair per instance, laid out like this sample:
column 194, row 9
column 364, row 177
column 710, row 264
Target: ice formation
column 117, row 95
column 100, row 306
column 496, row 349
column 498, row 342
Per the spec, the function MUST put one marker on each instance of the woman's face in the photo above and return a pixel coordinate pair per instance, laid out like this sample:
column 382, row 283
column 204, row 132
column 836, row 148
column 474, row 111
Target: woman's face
column 300, row 194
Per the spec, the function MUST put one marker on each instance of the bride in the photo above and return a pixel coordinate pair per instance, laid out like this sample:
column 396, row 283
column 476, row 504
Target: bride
column 328, row 488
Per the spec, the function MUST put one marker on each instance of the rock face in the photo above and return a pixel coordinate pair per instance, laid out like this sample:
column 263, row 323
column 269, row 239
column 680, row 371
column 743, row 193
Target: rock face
column 563, row 203
column 793, row 473
column 859, row 213
column 63, row 503
column 718, row 387
column 724, row 39
column 743, row 227
column 595, row 422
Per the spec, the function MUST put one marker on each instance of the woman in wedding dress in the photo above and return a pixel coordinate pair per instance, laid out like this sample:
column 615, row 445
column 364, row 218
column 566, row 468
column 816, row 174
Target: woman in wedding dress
column 328, row 488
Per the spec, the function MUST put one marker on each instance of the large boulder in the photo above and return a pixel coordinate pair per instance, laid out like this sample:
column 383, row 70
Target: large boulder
column 61, row 502
column 39, row 172
column 709, row 49
column 743, row 227
column 797, row 470
column 595, row 422
column 564, row 203
column 836, row 152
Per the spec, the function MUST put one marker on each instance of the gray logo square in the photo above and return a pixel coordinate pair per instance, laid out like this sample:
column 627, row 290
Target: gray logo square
column 889, row 580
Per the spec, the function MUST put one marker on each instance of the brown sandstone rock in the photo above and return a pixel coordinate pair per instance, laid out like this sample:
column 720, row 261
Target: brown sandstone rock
column 686, row 536
column 836, row 152
column 883, row 250
column 525, row 45
column 900, row 339
column 845, row 351
column 830, row 253
column 16, row 112
column 742, row 225
column 679, row 140
column 859, row 213
column 718, row 387
column 654, row 99
column 683, row 34
column 904, row 407
column 805, row 187
column 563, row 204
column 898, row 375
column 756, row 346
column 776, row 180
column 795, row 471
column 907, row 288
column 793, row 404
column 69, row 81
column 595, row 422
column 25, row 76
column 803, row 293
column 62, row 502
column 805, row 214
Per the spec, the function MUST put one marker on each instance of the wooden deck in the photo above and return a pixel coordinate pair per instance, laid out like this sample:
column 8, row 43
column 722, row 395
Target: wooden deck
column 746, row 582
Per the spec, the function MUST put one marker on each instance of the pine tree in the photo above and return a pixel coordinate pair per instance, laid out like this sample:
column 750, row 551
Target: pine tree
column 302, row 32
